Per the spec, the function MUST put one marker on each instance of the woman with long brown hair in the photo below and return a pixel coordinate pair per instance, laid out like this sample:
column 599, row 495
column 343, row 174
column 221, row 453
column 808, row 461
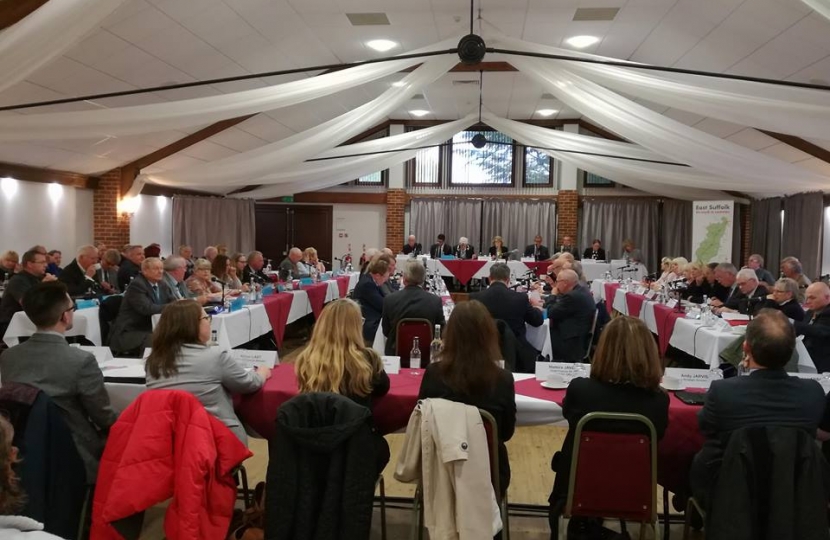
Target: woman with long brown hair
column 468, row 372
column 222, row 269
column 625, row 378
column 182, row 359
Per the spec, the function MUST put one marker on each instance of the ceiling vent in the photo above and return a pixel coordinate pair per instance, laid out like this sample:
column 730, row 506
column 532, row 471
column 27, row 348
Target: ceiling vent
column 596, row 14
column 548, row 96
column 368, row 19
column 466, row 82
column 417, row 96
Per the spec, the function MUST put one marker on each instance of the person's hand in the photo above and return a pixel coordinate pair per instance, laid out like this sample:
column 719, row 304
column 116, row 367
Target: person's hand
column 536, row 302
column 48, row 277
column 770, row 297
column 263, row 371
column 246, row 287
column 203, row 299
column 107, row 287
column 90, row 270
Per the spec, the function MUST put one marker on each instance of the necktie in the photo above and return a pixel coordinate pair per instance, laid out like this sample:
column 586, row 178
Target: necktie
column 156, row 293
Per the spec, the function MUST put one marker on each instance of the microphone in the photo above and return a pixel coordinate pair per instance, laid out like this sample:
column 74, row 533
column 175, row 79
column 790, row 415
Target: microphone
column 217, row 280
column 322, row 261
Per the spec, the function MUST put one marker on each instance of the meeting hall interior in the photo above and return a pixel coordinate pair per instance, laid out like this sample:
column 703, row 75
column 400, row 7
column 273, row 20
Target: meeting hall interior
column 387, row 269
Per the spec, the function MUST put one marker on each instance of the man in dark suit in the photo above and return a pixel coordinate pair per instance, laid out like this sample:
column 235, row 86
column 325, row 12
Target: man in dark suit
column 766, row 397
column 513, row 308
column 816, row 325
column 537, row 250
column 68, row 375
column 80, row 274
column 595, row 252
column 130, row 266
column 440, row 248
column 411, row 247
column 568, row 247
column 411, row 302
column 571, row 311
column 464, row 250
column 782, row 297
column 756, row 262
column 146, row 296
column 726, row 286
column 254, row 269
column 33, row 272
column 748, row 293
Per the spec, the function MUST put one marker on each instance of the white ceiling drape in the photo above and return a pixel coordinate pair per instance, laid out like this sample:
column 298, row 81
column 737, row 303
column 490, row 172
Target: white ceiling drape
column 822, row 7
column 45, row 34
column 139, row 119
column 666, row 136
column 798, row 111
column 248, row 167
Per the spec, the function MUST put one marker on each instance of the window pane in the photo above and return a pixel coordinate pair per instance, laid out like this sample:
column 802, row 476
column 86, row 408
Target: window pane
column 595, row 180
column 426, row 165
column 537, row 167
column 491, row 165
column 371, row 179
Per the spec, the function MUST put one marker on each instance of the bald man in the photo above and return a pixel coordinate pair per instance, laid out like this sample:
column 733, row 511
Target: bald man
column 816, row 325
column 412, row 247
column 571, row 312
column 80, row 274
column 290, row 265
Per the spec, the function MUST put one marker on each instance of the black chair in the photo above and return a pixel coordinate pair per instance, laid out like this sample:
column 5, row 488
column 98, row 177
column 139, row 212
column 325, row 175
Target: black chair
column 509, row 346
column 107, row 312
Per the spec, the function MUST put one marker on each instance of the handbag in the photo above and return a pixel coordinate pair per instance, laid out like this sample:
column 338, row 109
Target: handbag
column 249, row 524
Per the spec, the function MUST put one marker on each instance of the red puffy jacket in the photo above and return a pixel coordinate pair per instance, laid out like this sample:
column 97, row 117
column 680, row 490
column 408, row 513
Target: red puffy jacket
column 167, row 445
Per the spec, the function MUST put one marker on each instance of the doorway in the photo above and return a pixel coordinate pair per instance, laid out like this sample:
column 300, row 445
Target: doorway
column 279, row 227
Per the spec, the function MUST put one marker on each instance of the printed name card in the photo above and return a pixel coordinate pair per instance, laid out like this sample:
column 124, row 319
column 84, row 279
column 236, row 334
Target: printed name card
column 251, row 358
column 651, row 294
column 640, row 290
column 102, row 354
column 689, row 378
column 566, row 370
column 672, row 303
column 391, row 364
column 723, row 326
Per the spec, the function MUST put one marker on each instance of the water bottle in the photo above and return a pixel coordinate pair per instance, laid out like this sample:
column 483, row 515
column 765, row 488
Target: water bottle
column 415, row 354
column 258, row 293
column 252, row 291
column 268, row 267
column 289, row 281
column 435, row 346
column 214, row 338
column 314, row 274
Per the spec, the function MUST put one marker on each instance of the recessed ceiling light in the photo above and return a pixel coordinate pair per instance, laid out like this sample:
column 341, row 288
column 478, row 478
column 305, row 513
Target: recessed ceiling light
column 546, row 112
column 418, row 112
column 381, row 45
column 580, row 42
column 398, row 84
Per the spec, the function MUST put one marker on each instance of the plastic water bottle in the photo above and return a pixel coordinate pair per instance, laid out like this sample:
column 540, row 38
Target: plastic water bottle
column 268, row 267
column 214, row 338
column 258, row 293
column 435, row 346
column 415, row 354
column 252, row 291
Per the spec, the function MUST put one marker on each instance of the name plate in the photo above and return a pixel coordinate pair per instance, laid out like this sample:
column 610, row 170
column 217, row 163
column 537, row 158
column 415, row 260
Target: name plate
column 672, row 303
column 147, row 352
column 650, row 294
column 690, row 378
column 252, row 358
column 102, row 354
column 722, row 326
column 527, row 259
column 391, row 364
column 640, row 290
column 566, row 370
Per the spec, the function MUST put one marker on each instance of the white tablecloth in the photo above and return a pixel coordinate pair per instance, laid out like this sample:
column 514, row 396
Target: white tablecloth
column 85, row 324
column 533, row 411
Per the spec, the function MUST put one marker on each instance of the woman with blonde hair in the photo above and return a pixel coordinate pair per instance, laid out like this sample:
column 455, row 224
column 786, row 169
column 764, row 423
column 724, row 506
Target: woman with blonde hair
column 311, row 261
column 336, row 360
column 498, row 250
column 696, row 285
column 625, row 378
column 199, row 283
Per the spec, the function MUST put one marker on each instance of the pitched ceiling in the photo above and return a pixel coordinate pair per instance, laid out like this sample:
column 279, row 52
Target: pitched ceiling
column 149, row 43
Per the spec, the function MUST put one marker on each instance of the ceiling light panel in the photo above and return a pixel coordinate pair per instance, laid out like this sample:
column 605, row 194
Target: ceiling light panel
column 595, row 14
column 368, row 19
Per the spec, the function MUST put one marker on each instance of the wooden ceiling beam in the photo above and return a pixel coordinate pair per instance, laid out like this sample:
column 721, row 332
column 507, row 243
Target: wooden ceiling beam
column 14, row 11
column 47, row 176
column 800, row 144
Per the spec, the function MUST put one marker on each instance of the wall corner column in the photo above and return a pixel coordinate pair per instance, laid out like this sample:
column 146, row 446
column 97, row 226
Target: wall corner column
column 108, row 225
column 567, row 207
column 395, row 205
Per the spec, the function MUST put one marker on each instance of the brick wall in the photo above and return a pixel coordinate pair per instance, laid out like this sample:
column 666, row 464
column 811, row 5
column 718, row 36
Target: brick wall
column 108, row 226
column 567, row 203
column 395, row 204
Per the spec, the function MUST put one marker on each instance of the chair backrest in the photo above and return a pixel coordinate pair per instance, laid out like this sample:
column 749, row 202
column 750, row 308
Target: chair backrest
column 614, row 475
column 491, row 428
column 509, row 345
column 406, row 331
column 589, row 339
column 107, row 312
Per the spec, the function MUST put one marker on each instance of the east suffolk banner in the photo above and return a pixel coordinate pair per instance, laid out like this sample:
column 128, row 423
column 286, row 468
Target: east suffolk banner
column 712, row 224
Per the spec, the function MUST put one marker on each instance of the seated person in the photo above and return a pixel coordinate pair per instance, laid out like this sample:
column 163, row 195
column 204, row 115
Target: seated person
column 200, row 284
column 469, row 373
column 756, row 262
column 68, row 375
column 625, row 378
column 571, row 311
column 665, row 270
column 595, row 252
column 766, row 397
column 782, row 297
column 224, row 270
column 411, row 302
column 411, row 247
column 537, row 250
column 630, row 253
column 369, row 294
column 182, row 359
column 464, row 250
column 107, row 275
column 130, row 265
column 80, row 274
column 336, row 360
column 440, row 248
column 53, row 265
column 146, row 296
column 816, row 325
column 791, row 268
column 725, row 286
column 8, row 265
column 292, row 266
column 498, row 250
column 392, row 284
column 32, row 272
column 310, row 261
column 697, row 288
column 254, row 269
column 568, row 247
column 748, row 293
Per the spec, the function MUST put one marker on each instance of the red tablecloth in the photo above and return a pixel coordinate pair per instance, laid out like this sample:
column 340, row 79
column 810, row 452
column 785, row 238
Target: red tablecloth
column 665, row 317
column 343, row 285
column 391, row 412
column 463, row 270
column 277, row 307
column 610, row 291
column 634, row 303
column 316, row 296
column 676, row 449
column 539, row 267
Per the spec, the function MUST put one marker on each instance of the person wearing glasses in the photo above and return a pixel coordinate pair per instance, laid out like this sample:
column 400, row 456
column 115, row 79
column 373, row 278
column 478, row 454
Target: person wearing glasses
column 783, row 298
column 183, row 359
column 33, row 271
column 748, row 293
column 68, row 375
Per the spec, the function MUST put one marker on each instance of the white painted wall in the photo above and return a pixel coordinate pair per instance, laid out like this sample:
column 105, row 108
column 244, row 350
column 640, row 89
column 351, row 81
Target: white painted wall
column 356, row 226
column 825, row 265
column 58, row 217
column 153, row 222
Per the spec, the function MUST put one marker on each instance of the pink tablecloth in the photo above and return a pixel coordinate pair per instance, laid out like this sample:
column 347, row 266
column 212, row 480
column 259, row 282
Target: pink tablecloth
column 343, row 285
column 610, row 291
column 539, row 267
column 463, row 270
column 634, row 303
column 665, row 317
column 277, row 307
column 316, row 296
column 676, row 449
column 391, row 412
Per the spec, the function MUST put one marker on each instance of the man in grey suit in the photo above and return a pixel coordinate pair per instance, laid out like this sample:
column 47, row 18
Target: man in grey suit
column 411, row 302
column 68, row 375
column 146, row 296
column 571, row 311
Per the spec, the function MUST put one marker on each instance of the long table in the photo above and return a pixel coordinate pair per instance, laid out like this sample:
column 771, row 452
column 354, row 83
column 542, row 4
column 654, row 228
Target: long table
column 85, row 324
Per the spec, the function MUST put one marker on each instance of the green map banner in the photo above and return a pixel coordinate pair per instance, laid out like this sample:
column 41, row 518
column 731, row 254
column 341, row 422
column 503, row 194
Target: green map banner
column 712, row 224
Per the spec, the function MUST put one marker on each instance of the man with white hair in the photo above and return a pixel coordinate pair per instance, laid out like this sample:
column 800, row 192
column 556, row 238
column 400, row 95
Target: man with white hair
column 412, row 247
column 725, row 284
column 791, row 268
column 130, row 267
column 816, row 325
column 291, row 265
column 464, row 250
column 747, row 283
column 756, row 262
column 80, row 274
column 211, row 252
column 571, row 314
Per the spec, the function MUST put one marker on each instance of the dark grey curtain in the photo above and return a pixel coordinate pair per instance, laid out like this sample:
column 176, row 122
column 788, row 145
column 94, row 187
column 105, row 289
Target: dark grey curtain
column 518, row 222
column 765, row 239
column 207, row 221
column 453, row 217
column 676, row 229
column 737, row 238
column 803, row 224
column 612, row 221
